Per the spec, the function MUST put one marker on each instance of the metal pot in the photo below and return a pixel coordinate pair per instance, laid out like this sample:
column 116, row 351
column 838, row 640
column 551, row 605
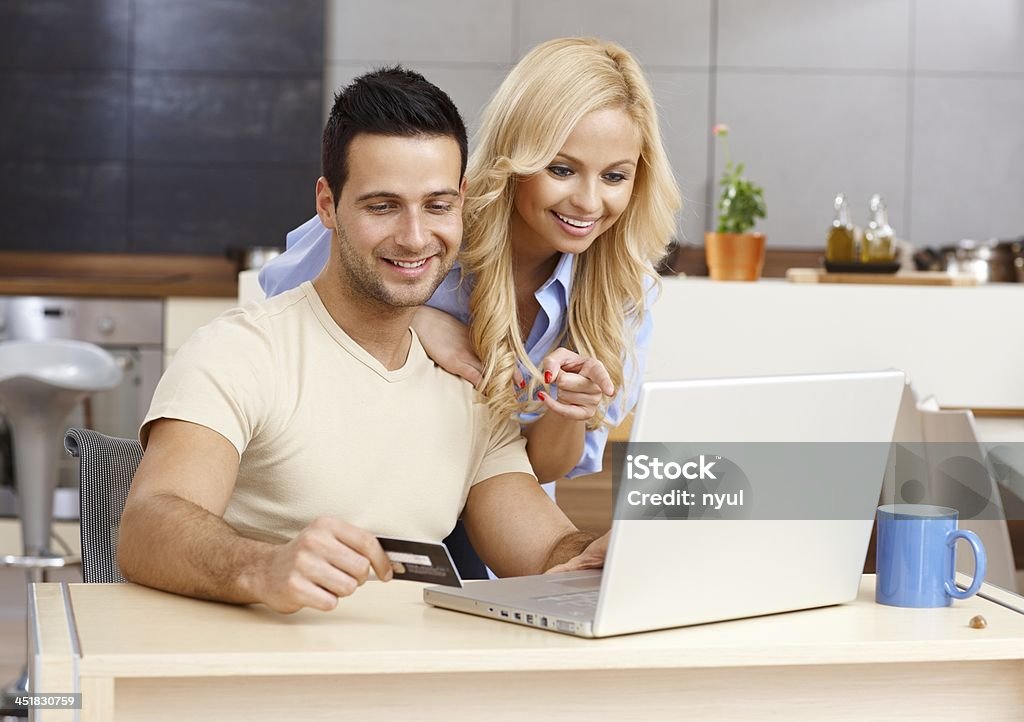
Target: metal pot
column 988, row 261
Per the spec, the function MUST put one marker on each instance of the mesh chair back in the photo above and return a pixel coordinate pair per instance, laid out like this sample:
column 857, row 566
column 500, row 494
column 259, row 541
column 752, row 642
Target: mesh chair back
column 106, row 465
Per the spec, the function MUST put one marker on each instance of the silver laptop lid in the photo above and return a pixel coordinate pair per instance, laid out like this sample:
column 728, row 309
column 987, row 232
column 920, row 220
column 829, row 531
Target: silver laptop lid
column 666, row 573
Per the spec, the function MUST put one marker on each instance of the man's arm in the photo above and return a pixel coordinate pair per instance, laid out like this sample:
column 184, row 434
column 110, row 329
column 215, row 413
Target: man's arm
column 517, row 529
column 172, row 536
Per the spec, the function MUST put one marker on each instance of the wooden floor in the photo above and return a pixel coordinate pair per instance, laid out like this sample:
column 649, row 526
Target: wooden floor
column 12, row 648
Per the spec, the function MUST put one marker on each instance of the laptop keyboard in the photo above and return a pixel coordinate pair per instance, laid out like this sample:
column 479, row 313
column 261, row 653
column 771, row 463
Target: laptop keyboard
column 573, row 600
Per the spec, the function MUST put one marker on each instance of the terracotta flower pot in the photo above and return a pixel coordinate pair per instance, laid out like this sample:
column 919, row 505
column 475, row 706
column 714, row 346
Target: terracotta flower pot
column 734, row 256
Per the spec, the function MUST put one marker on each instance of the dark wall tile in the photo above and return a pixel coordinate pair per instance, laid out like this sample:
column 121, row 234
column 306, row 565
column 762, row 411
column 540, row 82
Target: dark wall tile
column 63, row 207
column 190, row 118
column 243, row 36
column 178, row 209
column 157, row 125
column 64, row 116
column 65, row 34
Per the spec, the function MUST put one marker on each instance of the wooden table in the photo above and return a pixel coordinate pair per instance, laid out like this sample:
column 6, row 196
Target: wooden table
column 138, row 654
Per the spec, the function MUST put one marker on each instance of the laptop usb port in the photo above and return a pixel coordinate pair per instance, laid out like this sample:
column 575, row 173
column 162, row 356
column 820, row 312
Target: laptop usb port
column 543, row 621
column 518, row 616
column 504, row 613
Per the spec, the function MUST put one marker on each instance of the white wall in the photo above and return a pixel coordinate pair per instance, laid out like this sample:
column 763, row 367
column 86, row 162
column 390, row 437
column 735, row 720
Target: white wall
column 920, row 100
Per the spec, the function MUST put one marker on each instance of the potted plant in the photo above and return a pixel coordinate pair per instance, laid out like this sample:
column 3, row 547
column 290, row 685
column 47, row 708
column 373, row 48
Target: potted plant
column 732, row 251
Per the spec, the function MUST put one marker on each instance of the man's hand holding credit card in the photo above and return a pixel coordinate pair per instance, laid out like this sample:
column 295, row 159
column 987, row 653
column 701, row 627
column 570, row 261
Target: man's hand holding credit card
column 420, row 561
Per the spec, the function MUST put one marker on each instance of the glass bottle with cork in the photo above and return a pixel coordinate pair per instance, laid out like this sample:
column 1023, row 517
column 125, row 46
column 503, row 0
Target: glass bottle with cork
column 841, row 246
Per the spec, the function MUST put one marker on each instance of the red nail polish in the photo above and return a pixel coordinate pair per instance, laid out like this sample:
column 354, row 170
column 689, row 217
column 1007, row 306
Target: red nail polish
column 522, row 384
column 547, row 377
column 541, row 395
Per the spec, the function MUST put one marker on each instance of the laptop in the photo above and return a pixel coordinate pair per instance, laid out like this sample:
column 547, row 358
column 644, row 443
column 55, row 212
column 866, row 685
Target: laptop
column 672, row 572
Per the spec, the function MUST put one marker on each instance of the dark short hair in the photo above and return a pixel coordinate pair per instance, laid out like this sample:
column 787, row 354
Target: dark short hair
column 387, row 101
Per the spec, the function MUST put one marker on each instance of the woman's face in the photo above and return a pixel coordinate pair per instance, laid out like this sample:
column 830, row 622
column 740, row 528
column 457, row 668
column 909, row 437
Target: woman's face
column 583, row 191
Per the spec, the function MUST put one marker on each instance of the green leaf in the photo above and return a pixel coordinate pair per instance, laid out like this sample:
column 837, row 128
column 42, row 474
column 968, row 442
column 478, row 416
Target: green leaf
column 741, row 202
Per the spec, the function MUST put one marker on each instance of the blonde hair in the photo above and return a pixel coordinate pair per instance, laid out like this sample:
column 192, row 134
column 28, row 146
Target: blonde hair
column 523, row 127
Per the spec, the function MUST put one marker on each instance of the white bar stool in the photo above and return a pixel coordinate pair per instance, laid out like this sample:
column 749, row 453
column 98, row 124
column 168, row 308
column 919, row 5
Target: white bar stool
column 40, row 383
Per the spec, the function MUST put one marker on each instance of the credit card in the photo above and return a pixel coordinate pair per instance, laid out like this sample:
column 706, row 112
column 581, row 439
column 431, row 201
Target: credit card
column 420, row 561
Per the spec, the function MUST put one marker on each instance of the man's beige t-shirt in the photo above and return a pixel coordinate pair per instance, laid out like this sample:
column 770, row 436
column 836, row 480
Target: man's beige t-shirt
column 323, row 428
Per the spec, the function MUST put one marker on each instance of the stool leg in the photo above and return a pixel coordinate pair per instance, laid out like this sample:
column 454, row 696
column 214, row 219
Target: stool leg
column 19, row 685
column 16, row 688
column 35, row 475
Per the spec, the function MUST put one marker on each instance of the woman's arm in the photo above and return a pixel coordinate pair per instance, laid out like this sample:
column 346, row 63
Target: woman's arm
column 588, row 459
column 554, row 445
column 555, row 441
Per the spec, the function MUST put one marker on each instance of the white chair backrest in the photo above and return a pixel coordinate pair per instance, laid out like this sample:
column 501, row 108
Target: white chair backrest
column 953, row 470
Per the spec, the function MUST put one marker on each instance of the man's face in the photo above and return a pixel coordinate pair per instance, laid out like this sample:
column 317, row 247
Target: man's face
column 399, row 217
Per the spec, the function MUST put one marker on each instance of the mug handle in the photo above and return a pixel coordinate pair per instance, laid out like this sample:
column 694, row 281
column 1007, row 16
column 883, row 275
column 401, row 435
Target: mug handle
column 979, row 563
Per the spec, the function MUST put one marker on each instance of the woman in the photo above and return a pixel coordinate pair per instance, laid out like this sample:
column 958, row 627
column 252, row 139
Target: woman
column 570, row 204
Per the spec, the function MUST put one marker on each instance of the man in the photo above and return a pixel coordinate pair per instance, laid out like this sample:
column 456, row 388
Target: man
column 287, row 434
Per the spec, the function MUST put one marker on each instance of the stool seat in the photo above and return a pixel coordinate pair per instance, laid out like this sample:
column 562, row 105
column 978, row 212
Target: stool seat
column 40, row 383
column 60, row 364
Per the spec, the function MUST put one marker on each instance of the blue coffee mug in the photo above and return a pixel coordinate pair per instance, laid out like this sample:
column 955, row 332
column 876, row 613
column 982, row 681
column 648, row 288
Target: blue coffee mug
column 916, row 557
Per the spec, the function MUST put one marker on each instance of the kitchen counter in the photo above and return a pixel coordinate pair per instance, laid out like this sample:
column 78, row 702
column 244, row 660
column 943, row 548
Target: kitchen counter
column 956, row 343
column 117, row 275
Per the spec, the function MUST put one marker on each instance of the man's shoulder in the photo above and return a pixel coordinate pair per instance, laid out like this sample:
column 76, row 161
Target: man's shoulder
column 291, row 302
column 242, row 331
column 265, row 313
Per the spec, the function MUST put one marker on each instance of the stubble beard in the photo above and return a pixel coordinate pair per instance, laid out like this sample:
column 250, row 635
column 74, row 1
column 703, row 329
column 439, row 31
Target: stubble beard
column 365, row 281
